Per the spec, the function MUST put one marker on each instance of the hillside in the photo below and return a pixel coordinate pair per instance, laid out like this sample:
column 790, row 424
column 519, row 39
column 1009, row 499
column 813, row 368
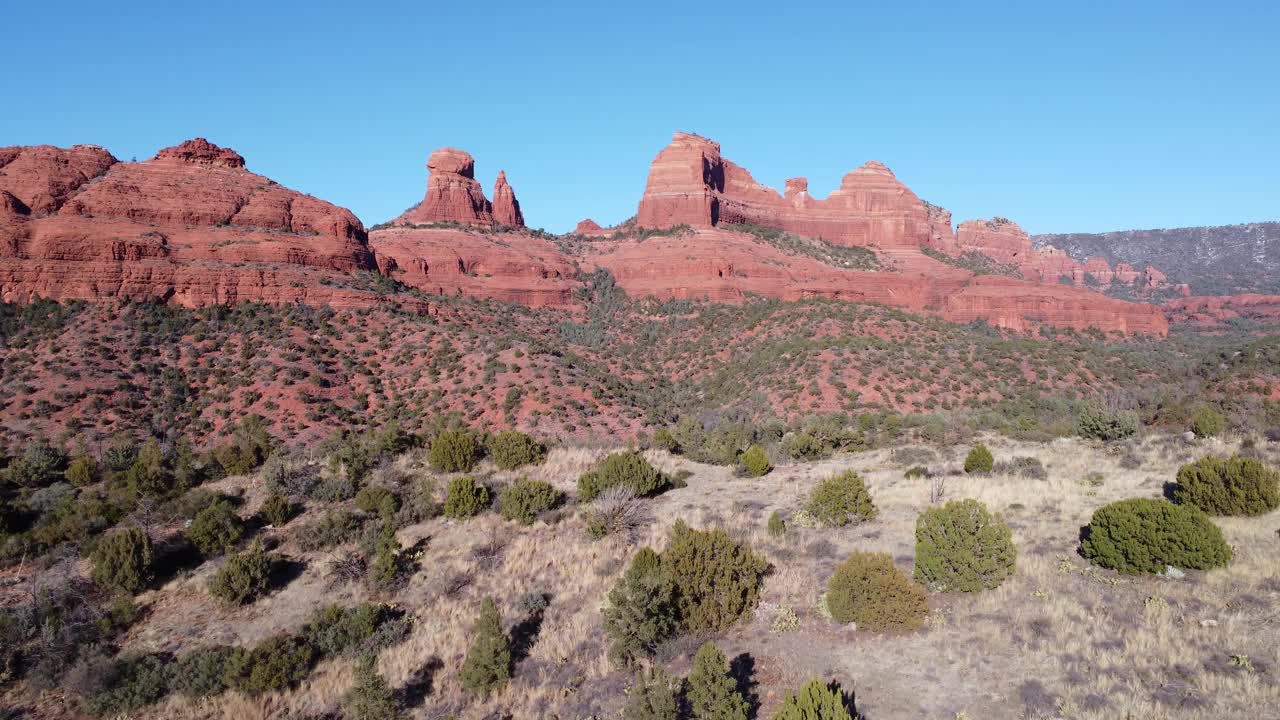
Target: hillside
column 1222, row 260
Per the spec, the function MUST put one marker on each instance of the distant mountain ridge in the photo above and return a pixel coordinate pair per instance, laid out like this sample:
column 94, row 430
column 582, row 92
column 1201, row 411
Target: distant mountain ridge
column 1218, row 260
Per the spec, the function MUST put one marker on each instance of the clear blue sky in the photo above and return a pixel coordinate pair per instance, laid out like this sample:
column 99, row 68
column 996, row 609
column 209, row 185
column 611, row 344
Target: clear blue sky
column 1079, row 116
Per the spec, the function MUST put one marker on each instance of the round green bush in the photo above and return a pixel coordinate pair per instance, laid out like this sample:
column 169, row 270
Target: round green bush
column 512, row 449
column 277, row 510
column 628, row 468
column 82, row 471
column 122, row 560
column 215, row 529
column 979, row 460
column 1229, row 486
column 465, row 498
column 717, row 579
column 243, row 577
column 523, row 500
column 1208, row 422
column 453, row 451
column 273, row 664
column 755, row 461
column 961, row 547
column 1096, row 422
column 840, row 499
column 868, row 589
column 1146, row 535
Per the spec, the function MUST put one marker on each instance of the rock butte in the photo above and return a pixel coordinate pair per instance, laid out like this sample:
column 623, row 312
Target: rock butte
column 193, row 226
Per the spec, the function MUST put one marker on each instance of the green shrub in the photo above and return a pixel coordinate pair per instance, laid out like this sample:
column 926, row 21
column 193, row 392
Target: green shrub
column 841, row 499
column 370, row 698
column 777, row 525
column 628, row 468
column 465, row 498
column 653, row 695
column 82, row 471
column 803, row 446
column 915, row 473
column 334, row 528
column 979, row 461
column 377, row 499
column 277, row 510
column 814, row 701
column 453, row 451
column 1145, row 535
column 641, row 610
column 961, row 547
column 523, row 500
column 130, row 684
column 712, row 692
column 215, row 529
column 203, row 673
column 755, row 462
column 40, row 465
column 512, row 449
column 1208, row 422
column 717, row 580
column 149, row 475
column 1229, row 486
column 487, row 666
column 1096, row 422
column 243, row 577
column 663, row 438
column 274, row 664
column 389, row 569
column 868, row 589
column 335, row 630
column 249, row 447
column 122, row 560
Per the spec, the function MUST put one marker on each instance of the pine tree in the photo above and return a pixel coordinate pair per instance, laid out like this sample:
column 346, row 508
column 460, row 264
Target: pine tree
column 814, row 701
column 712, row 693
column 488, row 663
column 642, row 609
column 654, row 696
column 370, row 698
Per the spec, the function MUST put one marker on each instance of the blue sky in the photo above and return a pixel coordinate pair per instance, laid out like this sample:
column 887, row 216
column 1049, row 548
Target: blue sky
column 1081, row 116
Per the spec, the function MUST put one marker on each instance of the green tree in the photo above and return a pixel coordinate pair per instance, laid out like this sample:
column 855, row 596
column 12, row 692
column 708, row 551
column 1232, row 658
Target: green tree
column 629, row 469
column 868, row 589
column 1208, row 422
column 122, row 560
column 756, row 462
column 1146, row 535
column 244, row 576
column 465, row 498
column 215, row 529
column 488, row 663
column 979, row 461
column 453, row 451
column 511, row 449
column 149, row 475
column 961, row 547
column 370, row 698
column 840, row 499
column 814, row 701
column 712, row 693
column 641, row 610
column 653, row 696
column 717, row 579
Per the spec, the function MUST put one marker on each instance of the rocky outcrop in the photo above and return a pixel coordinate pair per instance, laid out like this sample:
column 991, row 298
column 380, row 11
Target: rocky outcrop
column 511, row 266
column 690, row 183
column 588, row 227
column 453, row 195
column 506, row 209
column 42, row 176
column 1221, row 309
column 190, row 226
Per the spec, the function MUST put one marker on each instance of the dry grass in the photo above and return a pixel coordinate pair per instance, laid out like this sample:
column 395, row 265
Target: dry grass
column 1059, row 640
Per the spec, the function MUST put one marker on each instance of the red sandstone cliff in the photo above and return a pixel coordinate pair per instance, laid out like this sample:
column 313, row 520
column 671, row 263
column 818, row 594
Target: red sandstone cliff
column 506, row 209
column 191, row 226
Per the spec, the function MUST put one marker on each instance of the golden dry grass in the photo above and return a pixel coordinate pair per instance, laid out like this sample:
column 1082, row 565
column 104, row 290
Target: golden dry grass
column 1059, row 640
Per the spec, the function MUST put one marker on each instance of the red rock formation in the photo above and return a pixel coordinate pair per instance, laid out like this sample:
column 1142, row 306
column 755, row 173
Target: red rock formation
column 588, row 227
column 43, row 176
column 506, row 209
column 1020, row 305
column 191, row 226
column 1219, row 309
column 453, row 195
column 512, row 267
column 690, row 183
